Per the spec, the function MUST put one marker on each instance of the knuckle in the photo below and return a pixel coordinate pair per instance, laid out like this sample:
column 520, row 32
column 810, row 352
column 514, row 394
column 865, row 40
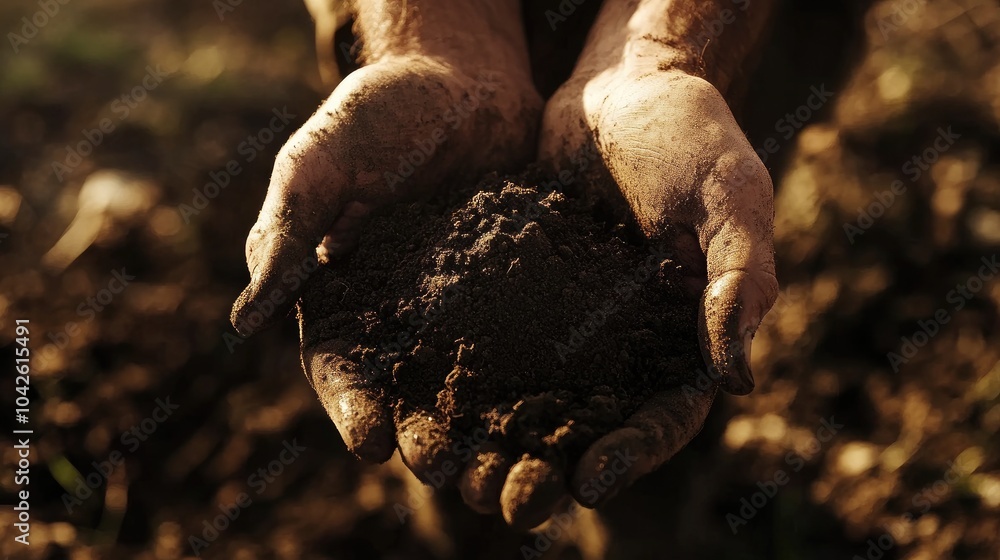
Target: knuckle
column 742, row 170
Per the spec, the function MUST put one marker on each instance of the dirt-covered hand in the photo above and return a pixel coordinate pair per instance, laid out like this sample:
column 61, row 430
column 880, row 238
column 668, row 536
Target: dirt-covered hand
column 670, row 151
column 676, row 157
column 391, row 131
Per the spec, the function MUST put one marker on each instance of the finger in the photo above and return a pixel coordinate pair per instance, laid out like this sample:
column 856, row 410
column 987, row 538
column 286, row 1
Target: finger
column 302, row 203
column 483, row 479
column 742, row 287
column 651, row 436
column 425, row 447
column 353, row 399
column 344, row 235
column 533, row 490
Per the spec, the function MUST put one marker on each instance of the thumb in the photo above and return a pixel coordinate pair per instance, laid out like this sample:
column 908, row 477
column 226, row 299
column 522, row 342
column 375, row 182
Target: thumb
column 302, row 203
column 741, row 282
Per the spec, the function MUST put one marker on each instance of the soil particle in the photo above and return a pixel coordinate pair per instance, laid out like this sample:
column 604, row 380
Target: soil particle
column 508, row 308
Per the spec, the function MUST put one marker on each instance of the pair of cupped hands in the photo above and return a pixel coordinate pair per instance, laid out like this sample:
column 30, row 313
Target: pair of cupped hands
column 676, row 159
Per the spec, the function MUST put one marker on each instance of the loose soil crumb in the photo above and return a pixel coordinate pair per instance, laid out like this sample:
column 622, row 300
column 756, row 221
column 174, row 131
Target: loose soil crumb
column 508, row 307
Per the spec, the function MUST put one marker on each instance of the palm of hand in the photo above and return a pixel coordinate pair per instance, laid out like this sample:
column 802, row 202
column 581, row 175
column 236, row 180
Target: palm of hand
column 361, row 150
column 671, row 154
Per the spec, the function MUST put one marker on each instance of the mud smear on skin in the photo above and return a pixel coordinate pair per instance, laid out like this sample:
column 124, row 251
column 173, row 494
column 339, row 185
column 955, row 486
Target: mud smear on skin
column 506, row 306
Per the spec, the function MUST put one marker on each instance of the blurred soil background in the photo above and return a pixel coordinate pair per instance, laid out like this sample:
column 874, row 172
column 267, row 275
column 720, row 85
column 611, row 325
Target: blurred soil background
column 867, row 455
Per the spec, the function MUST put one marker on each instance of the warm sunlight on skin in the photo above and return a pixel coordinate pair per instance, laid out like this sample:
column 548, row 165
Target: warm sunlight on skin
column 664, row 135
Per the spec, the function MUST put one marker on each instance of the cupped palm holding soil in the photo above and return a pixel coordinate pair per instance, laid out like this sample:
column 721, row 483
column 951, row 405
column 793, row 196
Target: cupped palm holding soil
column 667, row 154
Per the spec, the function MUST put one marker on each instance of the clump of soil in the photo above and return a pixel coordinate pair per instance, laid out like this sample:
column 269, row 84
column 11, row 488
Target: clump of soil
column 508, row 307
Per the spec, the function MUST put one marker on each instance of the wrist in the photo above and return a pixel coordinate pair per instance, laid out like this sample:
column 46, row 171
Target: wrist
column 649, row 53
column 469, row 35
column 710, row 39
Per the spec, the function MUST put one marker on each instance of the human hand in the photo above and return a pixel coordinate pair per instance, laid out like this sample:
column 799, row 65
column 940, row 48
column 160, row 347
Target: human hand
column 393, row 130
column 669, row 150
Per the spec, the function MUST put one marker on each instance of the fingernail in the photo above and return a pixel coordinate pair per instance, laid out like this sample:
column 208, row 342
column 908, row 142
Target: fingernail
column 739, row 380
column 236, row 316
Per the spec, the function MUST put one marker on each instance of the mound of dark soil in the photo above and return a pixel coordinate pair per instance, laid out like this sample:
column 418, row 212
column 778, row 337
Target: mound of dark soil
column 510, row 308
